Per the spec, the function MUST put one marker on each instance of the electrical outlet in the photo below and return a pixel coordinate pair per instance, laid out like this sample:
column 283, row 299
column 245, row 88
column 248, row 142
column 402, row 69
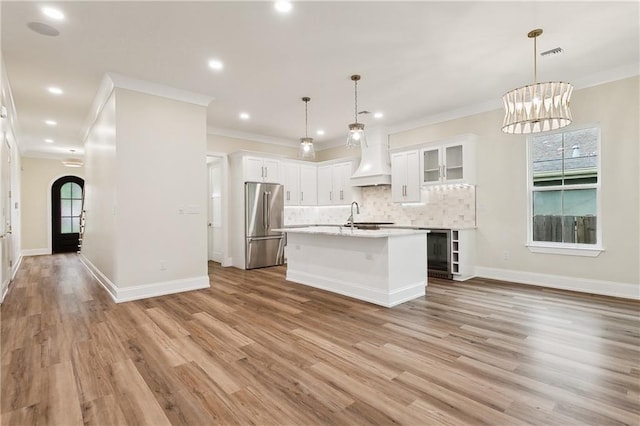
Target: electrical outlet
column 163, row 265
column 505, row 255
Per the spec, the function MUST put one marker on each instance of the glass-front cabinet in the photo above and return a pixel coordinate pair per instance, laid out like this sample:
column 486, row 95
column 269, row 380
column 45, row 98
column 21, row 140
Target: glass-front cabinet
column 449, row 161
column 432, row 169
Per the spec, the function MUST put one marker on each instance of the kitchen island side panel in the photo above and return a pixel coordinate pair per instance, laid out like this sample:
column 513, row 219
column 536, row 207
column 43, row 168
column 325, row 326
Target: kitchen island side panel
column 386, row 271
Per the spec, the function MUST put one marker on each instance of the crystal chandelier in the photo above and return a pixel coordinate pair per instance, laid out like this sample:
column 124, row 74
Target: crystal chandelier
column 356, row 130
column 538, row 107
column 306, row 151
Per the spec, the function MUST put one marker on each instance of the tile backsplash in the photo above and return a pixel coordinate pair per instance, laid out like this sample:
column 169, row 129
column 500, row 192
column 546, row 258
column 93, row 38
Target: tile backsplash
column 442, row 207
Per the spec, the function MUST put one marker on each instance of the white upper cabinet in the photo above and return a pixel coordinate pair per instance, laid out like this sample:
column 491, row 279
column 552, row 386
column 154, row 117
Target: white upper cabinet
column 405, row 176
column 325, row 185
column 257, row 169
column 342, row 182
column 450, row 161
column 334, row 184
column 291, row 181
column 300, row 184
column 308, row 185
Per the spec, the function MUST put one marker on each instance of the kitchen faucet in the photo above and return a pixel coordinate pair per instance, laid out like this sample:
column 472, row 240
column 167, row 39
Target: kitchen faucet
column 350, row 220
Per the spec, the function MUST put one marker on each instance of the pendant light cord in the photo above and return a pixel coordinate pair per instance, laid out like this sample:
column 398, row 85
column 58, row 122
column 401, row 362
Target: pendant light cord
column 356, row 103
column 535, row 60
column 306, row 125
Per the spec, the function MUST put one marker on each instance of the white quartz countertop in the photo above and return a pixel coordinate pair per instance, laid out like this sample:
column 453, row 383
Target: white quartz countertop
column 345, row 231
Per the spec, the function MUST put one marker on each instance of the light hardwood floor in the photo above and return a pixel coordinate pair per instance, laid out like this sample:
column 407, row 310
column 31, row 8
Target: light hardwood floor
column 255, row 349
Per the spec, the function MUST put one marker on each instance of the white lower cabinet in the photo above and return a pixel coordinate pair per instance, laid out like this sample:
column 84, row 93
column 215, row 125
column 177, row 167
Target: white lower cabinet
column 463, row 253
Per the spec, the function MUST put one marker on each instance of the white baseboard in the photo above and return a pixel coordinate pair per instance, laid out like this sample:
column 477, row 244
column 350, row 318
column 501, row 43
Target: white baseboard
column 583, row 285
column 144, row 291
column 35, row 252
column 387, row 299
column 100, row 277
column 16, row 266
column 4, row 287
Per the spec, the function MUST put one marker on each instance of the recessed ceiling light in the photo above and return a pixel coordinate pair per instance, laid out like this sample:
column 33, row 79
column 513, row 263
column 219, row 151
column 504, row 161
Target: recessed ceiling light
column 244, row 116
column 48, row 140
column 283, row 6
column 216, row 64
column 378, row 115
column 55, row 90
column 53, row 13
column 320, row 132
column 43, row 29
column 72, row 162
column 50, row 122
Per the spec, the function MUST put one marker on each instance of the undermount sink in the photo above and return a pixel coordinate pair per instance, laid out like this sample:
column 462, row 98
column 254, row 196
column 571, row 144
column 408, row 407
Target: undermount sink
column 368, row 225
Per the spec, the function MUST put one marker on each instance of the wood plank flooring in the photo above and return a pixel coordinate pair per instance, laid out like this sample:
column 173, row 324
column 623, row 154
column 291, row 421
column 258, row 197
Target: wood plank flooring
column 255, row 349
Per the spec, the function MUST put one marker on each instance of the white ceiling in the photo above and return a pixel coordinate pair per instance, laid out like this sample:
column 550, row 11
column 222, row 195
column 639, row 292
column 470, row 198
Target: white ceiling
column 418, row 60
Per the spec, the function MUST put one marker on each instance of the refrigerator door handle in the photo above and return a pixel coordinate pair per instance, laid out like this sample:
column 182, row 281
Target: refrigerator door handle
column 268, row 210
column 274, row 237
column 264, row 210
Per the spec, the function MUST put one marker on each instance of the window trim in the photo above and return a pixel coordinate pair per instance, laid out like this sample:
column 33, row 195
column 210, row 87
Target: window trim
column 572, row 249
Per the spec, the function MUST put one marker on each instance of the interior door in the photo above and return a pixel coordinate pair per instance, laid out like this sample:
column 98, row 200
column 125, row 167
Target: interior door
column 5, row 205
column 215, row 211
column 66, row 208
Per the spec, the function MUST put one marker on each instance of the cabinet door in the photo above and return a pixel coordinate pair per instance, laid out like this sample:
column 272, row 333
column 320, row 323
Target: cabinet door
column 405, row 177
column 398, row 176
column 412, row 188
column 431, row 170
column 253, row 169
column 325, row 185
column 271, row 170
column 342, row 183
column 453, row 163
column 308, row 185
column 291, row 181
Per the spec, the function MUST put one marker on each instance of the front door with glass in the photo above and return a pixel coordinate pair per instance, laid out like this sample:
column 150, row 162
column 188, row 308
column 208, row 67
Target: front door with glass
column 66, row 209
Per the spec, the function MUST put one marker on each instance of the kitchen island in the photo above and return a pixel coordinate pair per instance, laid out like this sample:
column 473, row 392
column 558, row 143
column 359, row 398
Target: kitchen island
column 383, row 266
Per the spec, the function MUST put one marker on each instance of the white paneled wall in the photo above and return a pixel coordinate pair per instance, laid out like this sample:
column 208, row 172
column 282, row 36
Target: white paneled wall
column 443, row 207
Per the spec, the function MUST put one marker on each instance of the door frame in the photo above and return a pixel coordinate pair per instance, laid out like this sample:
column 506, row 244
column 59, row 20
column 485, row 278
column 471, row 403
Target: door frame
column 7, row 270
column 50, row 208
column 226, row 260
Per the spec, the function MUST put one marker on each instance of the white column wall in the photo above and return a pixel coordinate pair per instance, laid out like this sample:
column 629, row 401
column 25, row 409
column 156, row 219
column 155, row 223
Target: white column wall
column 162, row 186
column 99, row 244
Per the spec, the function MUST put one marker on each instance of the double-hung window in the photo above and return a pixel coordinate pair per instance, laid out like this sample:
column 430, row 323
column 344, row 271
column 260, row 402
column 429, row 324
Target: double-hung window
column 564, row 192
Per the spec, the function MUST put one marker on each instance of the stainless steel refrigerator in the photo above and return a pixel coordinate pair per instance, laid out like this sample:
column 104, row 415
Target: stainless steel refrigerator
column 264, row 211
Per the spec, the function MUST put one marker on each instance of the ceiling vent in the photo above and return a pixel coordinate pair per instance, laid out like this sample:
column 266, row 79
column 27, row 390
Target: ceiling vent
column 555, row 51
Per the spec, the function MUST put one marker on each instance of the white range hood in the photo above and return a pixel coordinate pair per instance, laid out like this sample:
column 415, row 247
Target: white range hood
column 375, row 167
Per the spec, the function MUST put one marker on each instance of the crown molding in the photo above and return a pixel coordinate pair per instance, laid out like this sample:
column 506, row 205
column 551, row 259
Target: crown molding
column 112, row 80
column 608, row 76
column 162, row 90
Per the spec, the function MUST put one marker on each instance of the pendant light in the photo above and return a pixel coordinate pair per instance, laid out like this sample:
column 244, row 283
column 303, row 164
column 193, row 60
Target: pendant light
column 72, row 162
column 306, row 151
column 538, row 107
column 356, row 130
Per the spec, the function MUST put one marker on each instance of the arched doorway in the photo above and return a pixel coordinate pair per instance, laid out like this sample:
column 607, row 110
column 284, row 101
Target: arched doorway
column 66, row 208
